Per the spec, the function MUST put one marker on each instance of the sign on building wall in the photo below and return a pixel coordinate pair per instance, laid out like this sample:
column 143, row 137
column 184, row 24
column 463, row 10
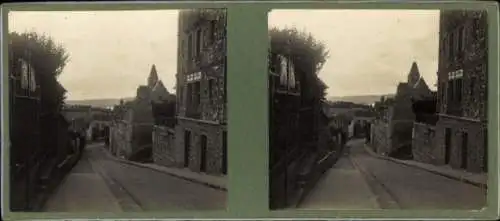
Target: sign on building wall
column 193, row 77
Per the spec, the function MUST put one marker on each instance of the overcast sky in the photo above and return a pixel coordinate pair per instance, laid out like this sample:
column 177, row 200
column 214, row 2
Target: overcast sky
column 370, row 50
column 111, row 52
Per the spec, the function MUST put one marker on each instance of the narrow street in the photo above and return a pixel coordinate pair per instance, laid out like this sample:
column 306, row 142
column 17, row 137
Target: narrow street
column 100, row 184
column 361, row 181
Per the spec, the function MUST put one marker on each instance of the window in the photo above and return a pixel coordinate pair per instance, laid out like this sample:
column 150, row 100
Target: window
column 449, row 92
column 465, row 32
column 196, row 93
column 212, row 31
column 458, row 89
column 183, row 46
column 460, row 36
column 210, row 88
column 190, row 47
column 443, row 92
column 451, row 45
column 198, row 43
column 189, row 93
column 472, row 85
column 446, row 46
column 24, row 74
column 32, row 83
column 224, row 72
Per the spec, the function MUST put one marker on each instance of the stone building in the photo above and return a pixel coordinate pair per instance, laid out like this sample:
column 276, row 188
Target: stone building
column 461, row 138
column 131, row 133
column 201, row 92
column 392, row 135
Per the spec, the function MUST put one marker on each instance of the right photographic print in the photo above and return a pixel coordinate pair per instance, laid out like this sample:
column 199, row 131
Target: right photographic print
column 378, row 109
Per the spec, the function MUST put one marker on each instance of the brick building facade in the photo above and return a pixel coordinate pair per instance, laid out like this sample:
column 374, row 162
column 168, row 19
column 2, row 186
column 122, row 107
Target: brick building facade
column 462, row 90
column 201, row 91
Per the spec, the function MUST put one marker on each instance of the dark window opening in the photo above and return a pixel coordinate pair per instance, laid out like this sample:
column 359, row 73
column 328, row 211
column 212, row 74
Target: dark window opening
column 198, row 43
column 189, row 98
column 472, row 86
column 449, row 93
column 443, row 92
column 196, row 93
column 451, row 45
column 212, row 31
column 458, row 91
column 224, row 152
column 460, row 38
column 447, row 145
column 465, row 142
column 187, row 146
column 211, row 83
column 190, row 47
column 485, row 151
column 224, row 72
column 203, row 149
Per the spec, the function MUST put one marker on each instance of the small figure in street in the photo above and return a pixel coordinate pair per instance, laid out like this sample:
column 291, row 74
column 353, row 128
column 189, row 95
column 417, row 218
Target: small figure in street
column 83, row 140
column 106, row 135
column 367, row 132
column 74, row 141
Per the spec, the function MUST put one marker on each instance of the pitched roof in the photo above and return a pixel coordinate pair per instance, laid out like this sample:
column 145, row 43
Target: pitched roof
column 153, row 77
column 159, row 92
column 414, row 74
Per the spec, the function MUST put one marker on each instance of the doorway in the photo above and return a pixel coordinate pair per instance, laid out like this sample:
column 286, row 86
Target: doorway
column 224, row 152
column 447, row 145
column 203, row 150
column 465, row 140
column 187, row 146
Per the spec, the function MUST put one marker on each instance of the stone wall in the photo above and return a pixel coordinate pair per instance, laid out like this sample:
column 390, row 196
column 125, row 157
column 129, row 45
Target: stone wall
column 164, row 151
column 380, row 140
column 423, row 143
column 475, row 147
column 400, row 134
column 198, row 128
column 120, row 142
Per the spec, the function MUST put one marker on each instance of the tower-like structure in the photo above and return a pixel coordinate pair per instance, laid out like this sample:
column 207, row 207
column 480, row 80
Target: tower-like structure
column 201, row 90
column 153, row 77
column 414, row 75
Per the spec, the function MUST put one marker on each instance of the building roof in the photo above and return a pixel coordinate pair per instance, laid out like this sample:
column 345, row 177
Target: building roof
column 159, row 92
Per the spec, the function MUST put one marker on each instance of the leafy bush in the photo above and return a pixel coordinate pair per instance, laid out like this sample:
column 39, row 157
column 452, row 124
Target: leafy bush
column 307, row 54
column 48, row 59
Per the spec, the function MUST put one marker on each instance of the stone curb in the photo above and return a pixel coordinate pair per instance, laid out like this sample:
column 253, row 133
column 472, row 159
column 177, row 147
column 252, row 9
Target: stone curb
column 461, row 179
column 211, row 185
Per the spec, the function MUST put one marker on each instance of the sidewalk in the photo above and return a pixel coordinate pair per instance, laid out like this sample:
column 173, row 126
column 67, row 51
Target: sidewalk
column 479, row 180
column 83, row 190
column 217, row 182
column 342, row 187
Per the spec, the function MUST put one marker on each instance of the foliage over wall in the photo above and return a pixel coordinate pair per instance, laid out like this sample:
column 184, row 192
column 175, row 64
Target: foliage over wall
column 48, row 60
column 307, row 54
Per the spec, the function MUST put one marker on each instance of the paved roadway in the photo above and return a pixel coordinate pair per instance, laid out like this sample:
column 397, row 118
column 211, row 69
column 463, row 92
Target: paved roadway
column 361, row 181
column 100, row 184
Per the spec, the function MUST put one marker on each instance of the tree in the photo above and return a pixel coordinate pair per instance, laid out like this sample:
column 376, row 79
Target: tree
column 306, row 53
column 48, row 60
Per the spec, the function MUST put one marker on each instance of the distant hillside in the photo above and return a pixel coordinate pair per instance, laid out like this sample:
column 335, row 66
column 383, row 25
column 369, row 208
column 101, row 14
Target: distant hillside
column 98, row 102
column 360, row 99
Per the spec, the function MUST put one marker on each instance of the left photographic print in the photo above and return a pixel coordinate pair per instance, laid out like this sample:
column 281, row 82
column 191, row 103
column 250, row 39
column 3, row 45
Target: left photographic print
column 117, row 111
